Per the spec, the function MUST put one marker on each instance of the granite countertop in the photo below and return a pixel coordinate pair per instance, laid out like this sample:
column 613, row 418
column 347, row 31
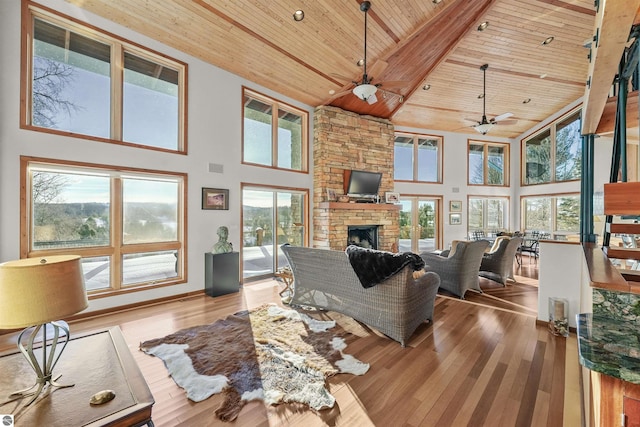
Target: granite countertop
column 609, row 346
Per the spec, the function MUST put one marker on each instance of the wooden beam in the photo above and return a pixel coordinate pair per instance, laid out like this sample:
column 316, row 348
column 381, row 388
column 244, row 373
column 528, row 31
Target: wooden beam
column 608, row 120
column 613, row 24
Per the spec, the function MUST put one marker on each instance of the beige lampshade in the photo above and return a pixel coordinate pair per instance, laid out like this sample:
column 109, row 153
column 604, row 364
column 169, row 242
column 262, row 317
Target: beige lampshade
column 38, row 290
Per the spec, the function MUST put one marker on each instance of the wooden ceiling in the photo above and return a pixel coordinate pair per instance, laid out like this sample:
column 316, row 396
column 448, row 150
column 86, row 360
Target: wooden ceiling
column 419, row 42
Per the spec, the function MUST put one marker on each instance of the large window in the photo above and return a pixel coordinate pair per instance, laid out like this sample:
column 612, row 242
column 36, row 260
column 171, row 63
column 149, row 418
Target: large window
column 127, row 225
column 558, row 215
column 274, row 134
column 488, row 163
column 271, row 217
column 489, row 214
column 554, row 154
column 86, row 83
column 417, row 158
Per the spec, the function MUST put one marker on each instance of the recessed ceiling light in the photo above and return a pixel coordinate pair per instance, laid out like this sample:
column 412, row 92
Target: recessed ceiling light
column 548, row 40
column 483, row 26
column 360, row 62
column 298, row 15
column 331, row 91
column 426, row 87
column 543, row 76
column 526, row 101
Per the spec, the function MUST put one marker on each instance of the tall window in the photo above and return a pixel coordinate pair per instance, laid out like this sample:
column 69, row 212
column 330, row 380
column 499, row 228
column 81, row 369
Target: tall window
column 417, row 158
column 488, row 213
column 557, row 214
column 488, row 163
column 274, row 134
column 554, row 154
column 271, row 217
column 91, row 84
column 127, row 225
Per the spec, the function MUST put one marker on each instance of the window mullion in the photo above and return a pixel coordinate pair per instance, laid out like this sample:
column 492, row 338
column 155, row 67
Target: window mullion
column 116, row 232
column 117, row 90
column 415, row 158
column 275, row 116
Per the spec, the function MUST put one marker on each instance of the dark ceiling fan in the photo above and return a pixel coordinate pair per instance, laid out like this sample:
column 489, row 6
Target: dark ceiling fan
column 365, row 89
column 483, row 126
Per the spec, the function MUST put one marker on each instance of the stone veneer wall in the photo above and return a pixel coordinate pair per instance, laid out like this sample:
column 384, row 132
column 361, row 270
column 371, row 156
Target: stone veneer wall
column 344, row 141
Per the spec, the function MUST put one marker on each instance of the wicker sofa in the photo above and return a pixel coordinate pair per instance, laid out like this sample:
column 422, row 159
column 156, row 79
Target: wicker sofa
column 396, row 307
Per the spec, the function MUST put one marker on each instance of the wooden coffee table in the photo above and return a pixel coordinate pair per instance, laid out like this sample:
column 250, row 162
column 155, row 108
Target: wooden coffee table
column 92, row 362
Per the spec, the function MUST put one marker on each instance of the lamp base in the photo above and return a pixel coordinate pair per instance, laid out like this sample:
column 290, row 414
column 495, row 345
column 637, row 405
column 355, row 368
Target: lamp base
column 44, row 370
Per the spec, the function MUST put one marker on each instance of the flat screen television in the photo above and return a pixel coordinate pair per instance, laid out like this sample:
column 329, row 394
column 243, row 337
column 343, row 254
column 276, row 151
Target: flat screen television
column 364, row 184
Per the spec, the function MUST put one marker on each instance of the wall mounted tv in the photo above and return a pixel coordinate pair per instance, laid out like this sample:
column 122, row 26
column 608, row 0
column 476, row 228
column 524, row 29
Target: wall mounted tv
column 362, row 183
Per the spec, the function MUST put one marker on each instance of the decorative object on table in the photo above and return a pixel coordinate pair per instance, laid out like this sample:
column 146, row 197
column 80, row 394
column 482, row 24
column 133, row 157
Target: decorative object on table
column 391, row 197
column 455, row 206
column 558, row 316
column 286, row 275
column 34, row 294
column 215, row 198
column 455, row 218
column 343, row 198
column 268, row 353
column 222, row 246
column 331, row 195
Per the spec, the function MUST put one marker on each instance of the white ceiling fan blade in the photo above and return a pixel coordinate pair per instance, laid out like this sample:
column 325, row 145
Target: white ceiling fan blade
column 377, row 68
column 472, row 120
column 341, row 77
column 394, row 84
column 506, row 122
column 372, row 99
column 502, row 117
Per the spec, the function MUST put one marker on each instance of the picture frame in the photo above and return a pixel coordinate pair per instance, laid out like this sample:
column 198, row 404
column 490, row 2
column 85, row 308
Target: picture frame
column 455, row 206
column 391, row 197
column 215, row 198
column 331, row 195
column 455, row 218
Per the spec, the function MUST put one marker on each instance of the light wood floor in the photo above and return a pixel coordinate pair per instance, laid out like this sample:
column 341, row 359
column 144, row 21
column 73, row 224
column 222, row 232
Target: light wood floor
column 483, row 362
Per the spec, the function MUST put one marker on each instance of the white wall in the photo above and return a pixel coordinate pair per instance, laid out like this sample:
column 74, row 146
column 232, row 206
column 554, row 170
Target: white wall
column 214, row 106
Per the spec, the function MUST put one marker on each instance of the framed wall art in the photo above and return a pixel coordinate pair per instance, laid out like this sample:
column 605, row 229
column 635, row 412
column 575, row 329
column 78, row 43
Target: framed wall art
column 455, row 219
column 455, row 206
column 391, row 197
column 215, row 198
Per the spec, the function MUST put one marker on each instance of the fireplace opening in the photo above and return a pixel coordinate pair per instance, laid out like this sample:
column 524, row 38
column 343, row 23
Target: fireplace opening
column 365, row 236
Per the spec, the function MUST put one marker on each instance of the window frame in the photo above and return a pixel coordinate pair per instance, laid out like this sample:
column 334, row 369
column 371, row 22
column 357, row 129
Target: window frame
column 119, row 45
column 552, row 129
column 486, row 144
column 116, row 248
column 416, row 138
column 485, row 208
column 276, row 106
column 553, row 232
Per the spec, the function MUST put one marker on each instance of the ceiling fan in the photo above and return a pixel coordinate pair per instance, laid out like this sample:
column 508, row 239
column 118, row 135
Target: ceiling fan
column 365, row 89
column 485, row 125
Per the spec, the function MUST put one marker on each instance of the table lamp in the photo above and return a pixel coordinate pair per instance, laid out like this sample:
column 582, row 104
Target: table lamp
column 34, row 293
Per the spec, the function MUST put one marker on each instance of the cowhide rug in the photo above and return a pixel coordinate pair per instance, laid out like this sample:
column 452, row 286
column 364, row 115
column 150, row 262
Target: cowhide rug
column 269, row 353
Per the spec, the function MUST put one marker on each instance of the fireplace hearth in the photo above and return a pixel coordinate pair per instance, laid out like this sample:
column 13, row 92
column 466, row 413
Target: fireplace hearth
column 365, row 236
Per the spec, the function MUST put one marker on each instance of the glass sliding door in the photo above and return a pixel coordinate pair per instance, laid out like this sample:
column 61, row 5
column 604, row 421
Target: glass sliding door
column 419, row 224
column 270, row 218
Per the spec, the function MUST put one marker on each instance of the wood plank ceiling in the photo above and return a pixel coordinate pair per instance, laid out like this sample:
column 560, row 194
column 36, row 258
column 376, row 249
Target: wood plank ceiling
column 421, row 42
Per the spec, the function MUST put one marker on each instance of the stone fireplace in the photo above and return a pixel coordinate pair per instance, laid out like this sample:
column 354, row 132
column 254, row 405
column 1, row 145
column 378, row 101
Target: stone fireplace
column 344, row 141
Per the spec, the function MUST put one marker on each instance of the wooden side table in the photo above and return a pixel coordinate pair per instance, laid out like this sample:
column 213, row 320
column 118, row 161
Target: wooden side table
column 286, row 275
column 93, row 362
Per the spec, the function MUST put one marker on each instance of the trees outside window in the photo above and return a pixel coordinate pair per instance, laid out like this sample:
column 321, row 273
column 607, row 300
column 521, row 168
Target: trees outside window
column 487, row 213
column 274, row 134
column 554, row 154
column 417, row 158
column 85, row 83
column 126, row 224
column 488, row 163
column 558, row 215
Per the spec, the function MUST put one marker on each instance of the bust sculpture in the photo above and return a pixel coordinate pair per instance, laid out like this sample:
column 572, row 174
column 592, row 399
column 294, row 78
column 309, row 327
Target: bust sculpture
column 223, row 246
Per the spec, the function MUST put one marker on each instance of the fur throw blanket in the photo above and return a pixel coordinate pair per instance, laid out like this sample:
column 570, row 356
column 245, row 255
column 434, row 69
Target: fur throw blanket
column 373, row 267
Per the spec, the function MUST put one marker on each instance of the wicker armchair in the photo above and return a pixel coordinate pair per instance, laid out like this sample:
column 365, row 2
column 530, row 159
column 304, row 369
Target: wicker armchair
column 396, row 307
column 497, row 264
column 459, row 272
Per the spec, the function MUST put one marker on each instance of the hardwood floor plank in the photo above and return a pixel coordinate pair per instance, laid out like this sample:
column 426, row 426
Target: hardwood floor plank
column 483, row 362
